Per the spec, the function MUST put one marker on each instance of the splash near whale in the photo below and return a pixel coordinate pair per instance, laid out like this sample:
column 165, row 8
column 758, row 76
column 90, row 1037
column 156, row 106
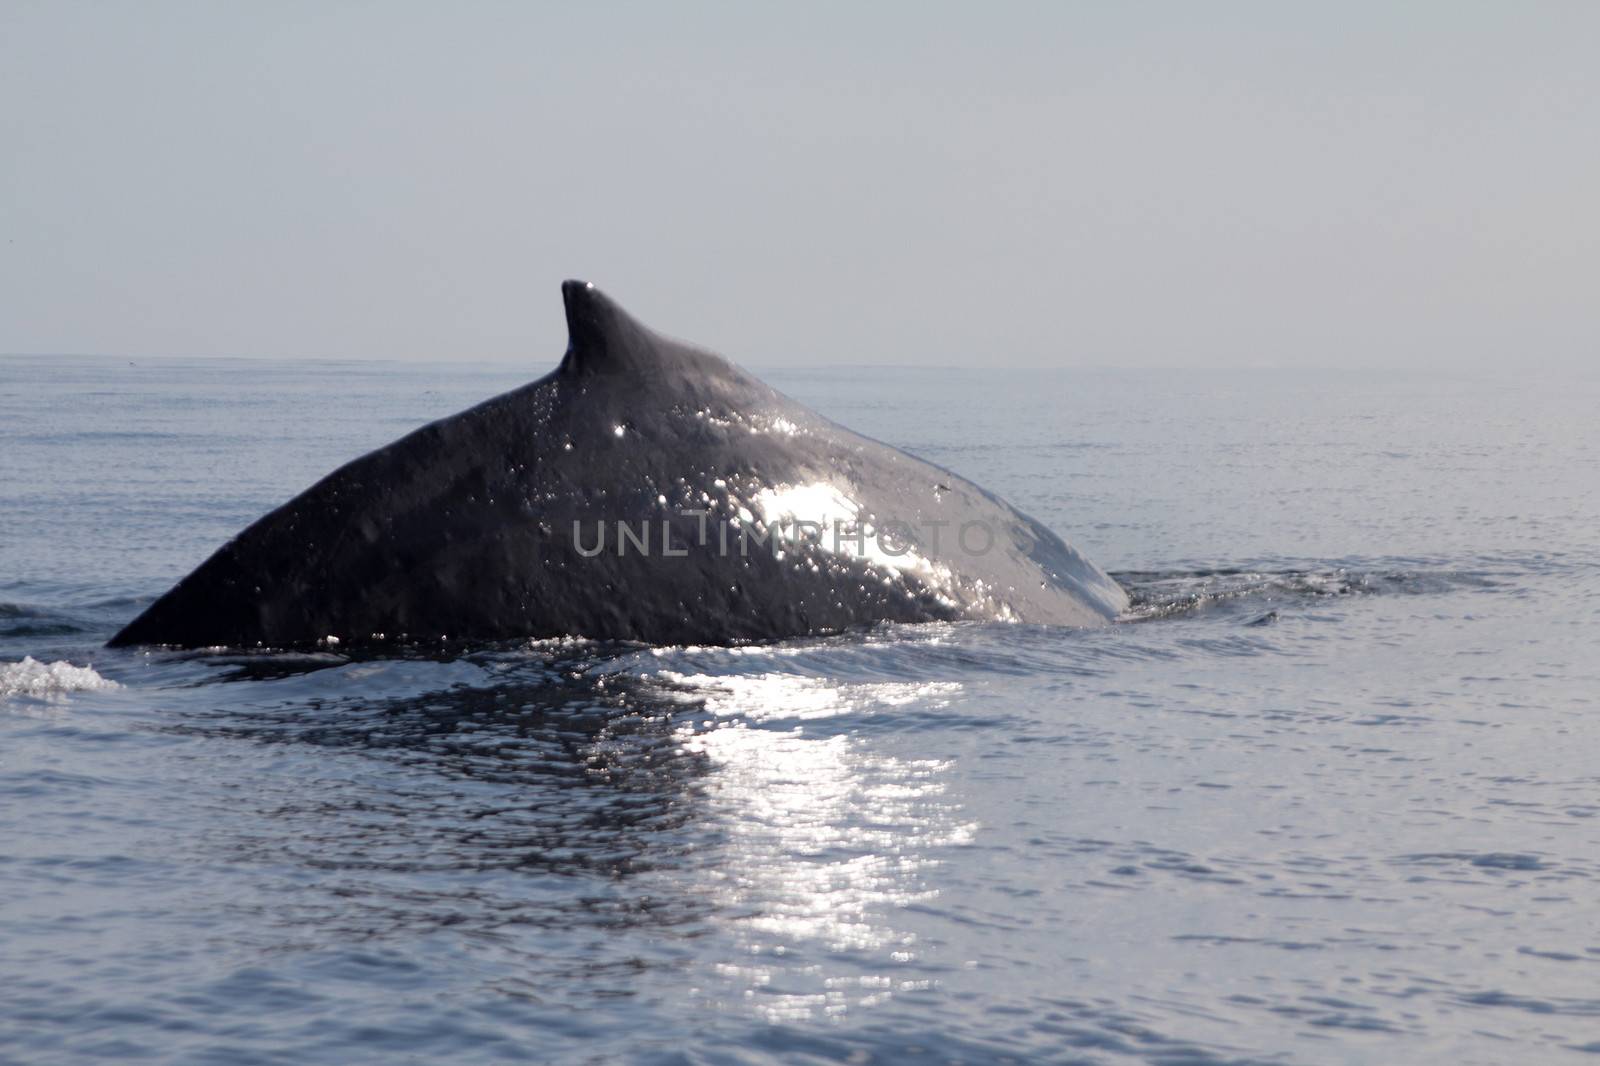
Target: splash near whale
column 645, row 490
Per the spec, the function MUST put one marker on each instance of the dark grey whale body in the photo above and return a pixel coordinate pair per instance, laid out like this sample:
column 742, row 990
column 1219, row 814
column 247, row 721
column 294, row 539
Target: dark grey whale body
column 645, row 490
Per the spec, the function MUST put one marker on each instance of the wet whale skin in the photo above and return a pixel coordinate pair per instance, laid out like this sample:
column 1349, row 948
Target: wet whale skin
column 645, row 490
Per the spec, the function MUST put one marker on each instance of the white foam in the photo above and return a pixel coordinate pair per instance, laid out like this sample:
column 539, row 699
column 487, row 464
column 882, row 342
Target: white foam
column 31, row 677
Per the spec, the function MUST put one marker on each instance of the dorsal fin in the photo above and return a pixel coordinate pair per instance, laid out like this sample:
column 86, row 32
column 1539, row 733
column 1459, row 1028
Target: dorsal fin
column 602, row 338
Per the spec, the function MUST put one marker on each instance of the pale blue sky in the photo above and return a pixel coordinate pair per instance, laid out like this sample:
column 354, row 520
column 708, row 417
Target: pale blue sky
column 1345, row 184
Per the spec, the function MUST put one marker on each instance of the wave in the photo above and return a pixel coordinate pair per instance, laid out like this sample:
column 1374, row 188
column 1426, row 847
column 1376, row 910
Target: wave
column 21, row 622
column 30, row 677
column 1156, row 594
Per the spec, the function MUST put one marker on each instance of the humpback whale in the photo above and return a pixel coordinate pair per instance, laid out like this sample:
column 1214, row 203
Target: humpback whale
column 645, row 490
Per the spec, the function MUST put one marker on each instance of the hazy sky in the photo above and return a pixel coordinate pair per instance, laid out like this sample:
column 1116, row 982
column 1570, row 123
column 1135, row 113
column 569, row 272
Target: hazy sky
column 1173, row 184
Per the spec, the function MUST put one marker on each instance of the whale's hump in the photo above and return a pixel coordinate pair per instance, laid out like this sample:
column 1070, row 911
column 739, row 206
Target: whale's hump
column 733, row 514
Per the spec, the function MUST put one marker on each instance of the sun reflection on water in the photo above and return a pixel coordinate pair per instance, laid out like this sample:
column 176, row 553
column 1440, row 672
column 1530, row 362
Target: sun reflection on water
column 828, row 837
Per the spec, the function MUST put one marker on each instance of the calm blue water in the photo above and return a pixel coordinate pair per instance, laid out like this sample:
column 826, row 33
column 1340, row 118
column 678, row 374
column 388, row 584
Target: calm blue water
column 1331, row 794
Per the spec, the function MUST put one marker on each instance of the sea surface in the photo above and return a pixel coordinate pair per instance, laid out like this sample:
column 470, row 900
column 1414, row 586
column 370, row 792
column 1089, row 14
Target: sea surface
column 1330, row 793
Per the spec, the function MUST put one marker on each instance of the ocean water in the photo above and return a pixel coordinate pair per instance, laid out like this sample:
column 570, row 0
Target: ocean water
column 1329, row 794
